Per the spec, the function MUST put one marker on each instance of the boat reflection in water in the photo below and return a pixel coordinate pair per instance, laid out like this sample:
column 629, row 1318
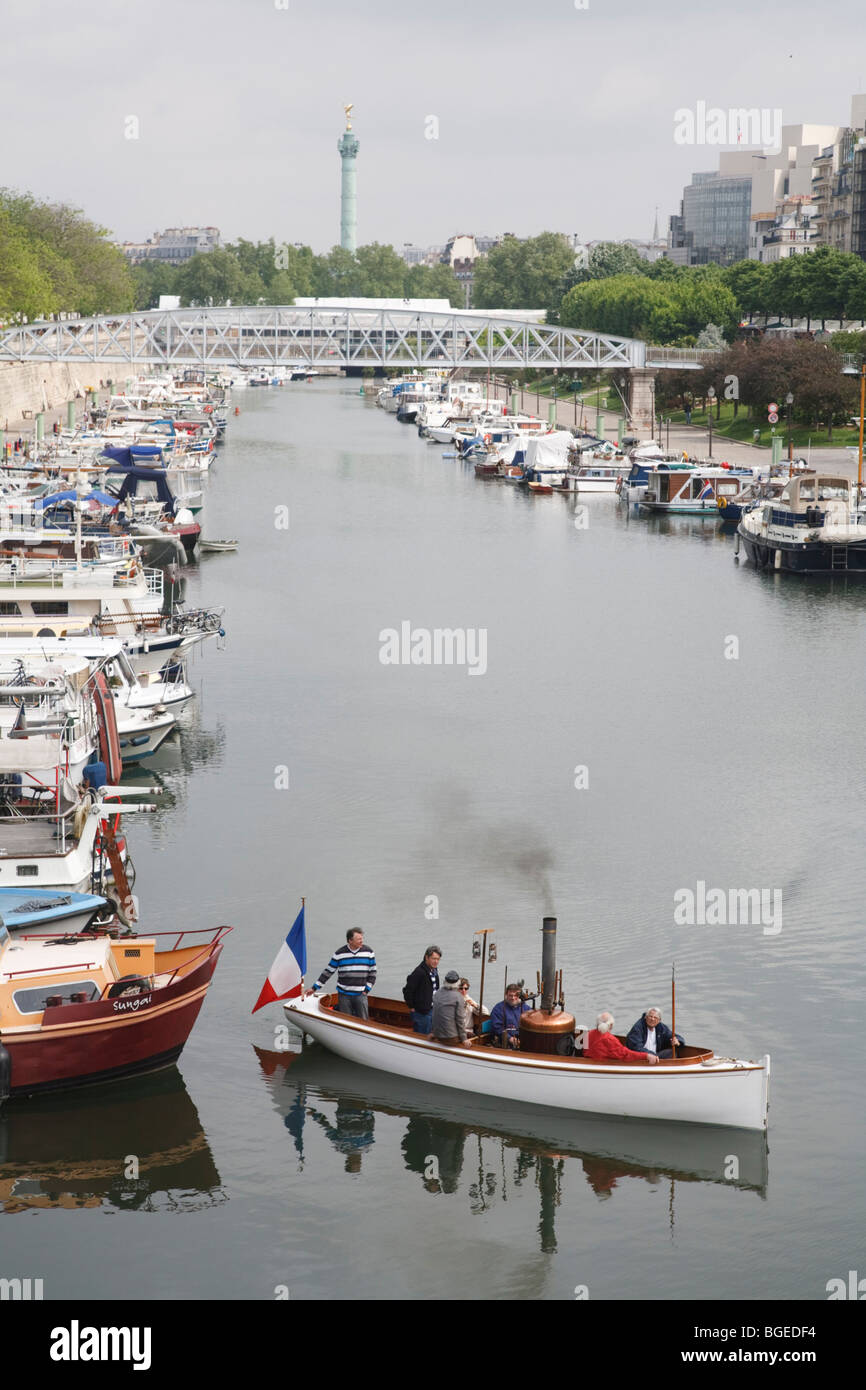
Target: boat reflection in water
column 454, row 1141
column 74, row 1151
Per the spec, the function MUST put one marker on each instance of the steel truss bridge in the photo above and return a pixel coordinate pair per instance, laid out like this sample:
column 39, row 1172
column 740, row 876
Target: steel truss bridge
column 317, row 337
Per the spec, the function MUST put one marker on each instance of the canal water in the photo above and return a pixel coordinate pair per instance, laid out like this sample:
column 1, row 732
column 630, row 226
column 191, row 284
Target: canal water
column 652, row 717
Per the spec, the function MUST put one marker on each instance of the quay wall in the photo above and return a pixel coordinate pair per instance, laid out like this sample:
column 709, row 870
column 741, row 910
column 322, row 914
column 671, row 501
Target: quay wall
column 28, row 387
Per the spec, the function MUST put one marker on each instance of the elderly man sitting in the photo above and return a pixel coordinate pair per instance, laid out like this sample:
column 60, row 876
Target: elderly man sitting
column 652, row 1036
column 602, row 1046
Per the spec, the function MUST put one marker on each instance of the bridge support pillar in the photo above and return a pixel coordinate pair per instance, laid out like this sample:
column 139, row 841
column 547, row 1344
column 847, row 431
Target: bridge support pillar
column 641, row 398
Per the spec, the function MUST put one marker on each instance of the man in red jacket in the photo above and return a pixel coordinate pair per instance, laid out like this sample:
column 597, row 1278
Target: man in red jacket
column 602, row 1046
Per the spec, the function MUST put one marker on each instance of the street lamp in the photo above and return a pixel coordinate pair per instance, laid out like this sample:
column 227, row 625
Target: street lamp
column 622, row 389
column 711, row 396
column 789, row 401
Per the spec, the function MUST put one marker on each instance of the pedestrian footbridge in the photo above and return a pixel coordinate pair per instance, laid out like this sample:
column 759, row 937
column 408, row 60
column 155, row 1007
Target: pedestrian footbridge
column 316, row 337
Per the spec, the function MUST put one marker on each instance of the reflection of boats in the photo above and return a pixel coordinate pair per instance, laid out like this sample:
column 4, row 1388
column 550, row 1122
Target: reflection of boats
column 57, row 1151
column 441, row 1120
column 695, row 1087
column 79, row 1009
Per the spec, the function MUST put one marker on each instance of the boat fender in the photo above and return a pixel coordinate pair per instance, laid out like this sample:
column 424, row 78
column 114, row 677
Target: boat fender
column 127, row 984
column 488, row 438
column 5, row 1073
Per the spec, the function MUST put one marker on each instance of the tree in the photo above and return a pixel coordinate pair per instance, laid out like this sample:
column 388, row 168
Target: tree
column 748, row 282
column 432, row 282
column 711, row 337
column 88, row 273
column 383, row 271
column 153, row 279
column 523, row 274
column 337, row 275
column 211, row 277
column 614, row 258
column 25, row 290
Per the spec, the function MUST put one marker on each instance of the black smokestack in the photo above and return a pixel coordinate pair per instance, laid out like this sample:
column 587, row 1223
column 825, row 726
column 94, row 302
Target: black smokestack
column 548, row 963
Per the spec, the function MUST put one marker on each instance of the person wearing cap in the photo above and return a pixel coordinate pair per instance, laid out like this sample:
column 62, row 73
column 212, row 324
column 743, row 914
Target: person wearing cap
column 449, row 1015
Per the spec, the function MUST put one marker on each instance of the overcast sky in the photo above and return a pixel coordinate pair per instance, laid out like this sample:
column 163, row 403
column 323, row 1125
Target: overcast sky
column 550, row 116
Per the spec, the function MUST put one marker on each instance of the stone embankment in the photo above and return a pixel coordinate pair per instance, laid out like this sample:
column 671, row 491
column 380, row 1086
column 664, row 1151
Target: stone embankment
column 29, row 387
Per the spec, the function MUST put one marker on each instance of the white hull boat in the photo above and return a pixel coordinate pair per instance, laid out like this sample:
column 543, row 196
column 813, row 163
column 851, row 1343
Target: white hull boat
column 696, row 1088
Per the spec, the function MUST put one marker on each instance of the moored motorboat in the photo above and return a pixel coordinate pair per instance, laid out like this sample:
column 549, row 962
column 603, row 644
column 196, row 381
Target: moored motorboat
column 814, row 527
column 21, row 910
column 81, row 1009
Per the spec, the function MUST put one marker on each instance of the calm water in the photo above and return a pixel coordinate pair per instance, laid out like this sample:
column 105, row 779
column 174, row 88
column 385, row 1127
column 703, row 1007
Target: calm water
column 606, row 650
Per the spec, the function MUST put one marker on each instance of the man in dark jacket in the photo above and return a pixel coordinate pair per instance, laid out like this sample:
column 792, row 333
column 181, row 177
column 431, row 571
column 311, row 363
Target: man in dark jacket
column 649, row 1034
column 419, row 989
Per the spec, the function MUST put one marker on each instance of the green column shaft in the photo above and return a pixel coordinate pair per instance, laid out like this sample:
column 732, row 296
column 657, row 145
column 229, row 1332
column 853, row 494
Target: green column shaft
column 599, row 424
column 515, row 408
column 777, row 448
column 40, row 425
column 70, row 415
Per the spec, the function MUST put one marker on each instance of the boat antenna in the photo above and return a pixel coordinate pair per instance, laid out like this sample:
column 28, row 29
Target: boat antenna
column 674, row 1009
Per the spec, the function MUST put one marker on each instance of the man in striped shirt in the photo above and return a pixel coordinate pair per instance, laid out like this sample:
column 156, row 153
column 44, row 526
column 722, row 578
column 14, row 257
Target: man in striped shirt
column 355, row 965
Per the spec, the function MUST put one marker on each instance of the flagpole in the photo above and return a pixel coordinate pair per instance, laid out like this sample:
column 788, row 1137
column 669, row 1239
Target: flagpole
column 673, row 1009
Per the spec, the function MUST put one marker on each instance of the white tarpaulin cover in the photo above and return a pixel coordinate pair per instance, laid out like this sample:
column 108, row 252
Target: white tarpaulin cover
column 549, row 450
column 29, row 754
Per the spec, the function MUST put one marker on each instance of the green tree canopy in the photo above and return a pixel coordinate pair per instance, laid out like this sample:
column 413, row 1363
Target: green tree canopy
column 523, row 274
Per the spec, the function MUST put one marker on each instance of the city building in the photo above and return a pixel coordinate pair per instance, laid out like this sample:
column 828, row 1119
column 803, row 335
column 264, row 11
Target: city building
column 788, row 231
column 715, row 219
column 461, row 252
column 173, row 246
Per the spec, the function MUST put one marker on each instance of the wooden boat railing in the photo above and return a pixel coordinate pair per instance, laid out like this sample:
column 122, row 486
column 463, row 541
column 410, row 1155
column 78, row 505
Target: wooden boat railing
column 394, row 1014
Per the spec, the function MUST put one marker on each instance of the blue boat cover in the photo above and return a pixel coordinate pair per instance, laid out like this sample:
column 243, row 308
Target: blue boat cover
column 105, row 498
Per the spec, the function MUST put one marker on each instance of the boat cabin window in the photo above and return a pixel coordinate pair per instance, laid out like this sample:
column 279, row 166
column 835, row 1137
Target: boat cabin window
column 27, row 870
column 807, row 492
column 10, row 610
column 49, row 607
column 828, row 490
column 32, row 1001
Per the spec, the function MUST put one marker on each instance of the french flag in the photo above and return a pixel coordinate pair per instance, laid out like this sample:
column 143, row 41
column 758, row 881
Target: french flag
column 286, row 975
